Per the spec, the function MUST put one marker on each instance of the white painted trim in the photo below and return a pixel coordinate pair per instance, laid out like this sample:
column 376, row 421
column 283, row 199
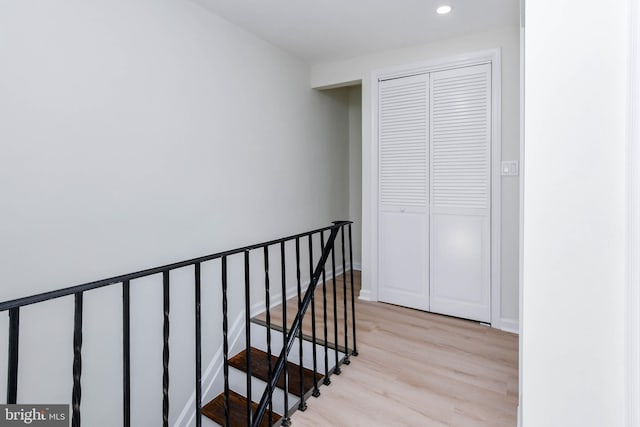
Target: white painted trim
column 521, row 207
column 374, row 184
column 633, row 223
column 365, row 295
column 496, row 189
column 480, row 57
column 510, row 325
column 432, row 65
column 212, row 373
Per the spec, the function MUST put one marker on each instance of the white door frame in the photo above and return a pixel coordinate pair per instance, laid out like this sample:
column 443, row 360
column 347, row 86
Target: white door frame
column 633, row 222
column 479, row 57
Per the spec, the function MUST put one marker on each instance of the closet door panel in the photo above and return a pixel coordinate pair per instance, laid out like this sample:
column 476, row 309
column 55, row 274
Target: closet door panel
column 460, row 264
column 403, row 253
column 460, row 157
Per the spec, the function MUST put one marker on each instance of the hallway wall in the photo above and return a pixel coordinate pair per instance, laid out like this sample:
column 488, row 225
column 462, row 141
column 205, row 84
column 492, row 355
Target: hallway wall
column 573, row 305
column 134, row 134
column 360, row 69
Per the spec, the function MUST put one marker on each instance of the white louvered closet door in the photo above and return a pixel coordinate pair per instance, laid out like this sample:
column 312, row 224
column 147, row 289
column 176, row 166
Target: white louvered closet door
column 460, row 221
column 404, row 191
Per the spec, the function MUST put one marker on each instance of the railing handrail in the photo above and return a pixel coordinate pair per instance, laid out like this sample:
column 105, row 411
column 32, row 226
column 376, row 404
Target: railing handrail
column 46, row 296
column 297, row 323
column 13, row 308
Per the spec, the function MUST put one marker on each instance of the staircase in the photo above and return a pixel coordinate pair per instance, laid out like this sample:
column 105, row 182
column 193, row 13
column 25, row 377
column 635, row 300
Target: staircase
column 288, row 351
column 300, row 384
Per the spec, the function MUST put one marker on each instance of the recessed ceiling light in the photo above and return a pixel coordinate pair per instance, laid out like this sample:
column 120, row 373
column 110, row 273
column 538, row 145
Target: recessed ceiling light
column 443, row 10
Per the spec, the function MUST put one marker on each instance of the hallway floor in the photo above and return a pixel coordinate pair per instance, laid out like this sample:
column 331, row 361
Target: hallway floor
column 420, row 369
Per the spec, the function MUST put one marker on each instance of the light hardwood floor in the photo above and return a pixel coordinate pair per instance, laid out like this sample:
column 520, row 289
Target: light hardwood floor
column 418, row 369
column 276, row 313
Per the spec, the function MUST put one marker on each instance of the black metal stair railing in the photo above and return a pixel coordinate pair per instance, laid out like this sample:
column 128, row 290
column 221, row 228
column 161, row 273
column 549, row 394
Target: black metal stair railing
column 295, row 330
column 253, row 418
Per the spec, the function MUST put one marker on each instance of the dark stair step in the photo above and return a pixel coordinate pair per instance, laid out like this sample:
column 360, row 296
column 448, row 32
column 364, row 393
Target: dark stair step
column 237, row 411
column 260, row 369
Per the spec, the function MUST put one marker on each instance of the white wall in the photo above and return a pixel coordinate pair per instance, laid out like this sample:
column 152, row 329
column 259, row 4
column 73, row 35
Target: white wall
column 574, row 214
column 355, row 170
column 632, row 341
column 360, row 69
column 134, row 134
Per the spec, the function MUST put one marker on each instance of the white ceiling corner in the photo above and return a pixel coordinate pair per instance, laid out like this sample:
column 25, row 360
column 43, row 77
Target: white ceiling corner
column 327, row 30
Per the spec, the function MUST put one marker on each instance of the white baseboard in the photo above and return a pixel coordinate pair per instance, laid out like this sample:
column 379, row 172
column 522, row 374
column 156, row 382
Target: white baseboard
column 212, row 373
column 519, row 416
column 365, row 295
column 510, row 325
column 357, row 266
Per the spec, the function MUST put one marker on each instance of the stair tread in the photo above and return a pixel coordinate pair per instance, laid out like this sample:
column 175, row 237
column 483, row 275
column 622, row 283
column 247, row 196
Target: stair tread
column 237, row 411
column 260, row 369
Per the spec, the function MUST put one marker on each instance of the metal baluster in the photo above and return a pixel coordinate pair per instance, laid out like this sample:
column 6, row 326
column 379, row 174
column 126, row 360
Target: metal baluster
column 77, row 361
column 353, row 298
column 165, row 350
column 326, row 380
column 268, row 303
column 294, row 329
column 247, row 326
column 12, row 365
column 316, row 391
column 126, row 353
column 198, row 325
column 286, row 420
column 336, row 370
column 225, row 343
column 303, row 405
column 344, row 300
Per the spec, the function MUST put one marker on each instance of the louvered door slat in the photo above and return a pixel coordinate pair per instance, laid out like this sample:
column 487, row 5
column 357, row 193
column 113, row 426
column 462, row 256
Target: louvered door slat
column 404, row 136
column 460, row 140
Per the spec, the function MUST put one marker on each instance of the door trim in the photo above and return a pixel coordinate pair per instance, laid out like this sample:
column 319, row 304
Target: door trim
column 633, row 222
column 491, row 56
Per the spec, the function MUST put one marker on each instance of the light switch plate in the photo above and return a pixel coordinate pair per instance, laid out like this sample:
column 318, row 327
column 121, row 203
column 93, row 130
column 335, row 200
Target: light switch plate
column 509, row 168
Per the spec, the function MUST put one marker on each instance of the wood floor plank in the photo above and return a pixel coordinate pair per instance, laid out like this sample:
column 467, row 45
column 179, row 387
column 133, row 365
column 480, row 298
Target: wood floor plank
column 415, row 369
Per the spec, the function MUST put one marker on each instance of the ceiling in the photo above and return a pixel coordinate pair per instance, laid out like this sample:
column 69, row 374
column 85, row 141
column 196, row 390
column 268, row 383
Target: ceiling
column 326, row 30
